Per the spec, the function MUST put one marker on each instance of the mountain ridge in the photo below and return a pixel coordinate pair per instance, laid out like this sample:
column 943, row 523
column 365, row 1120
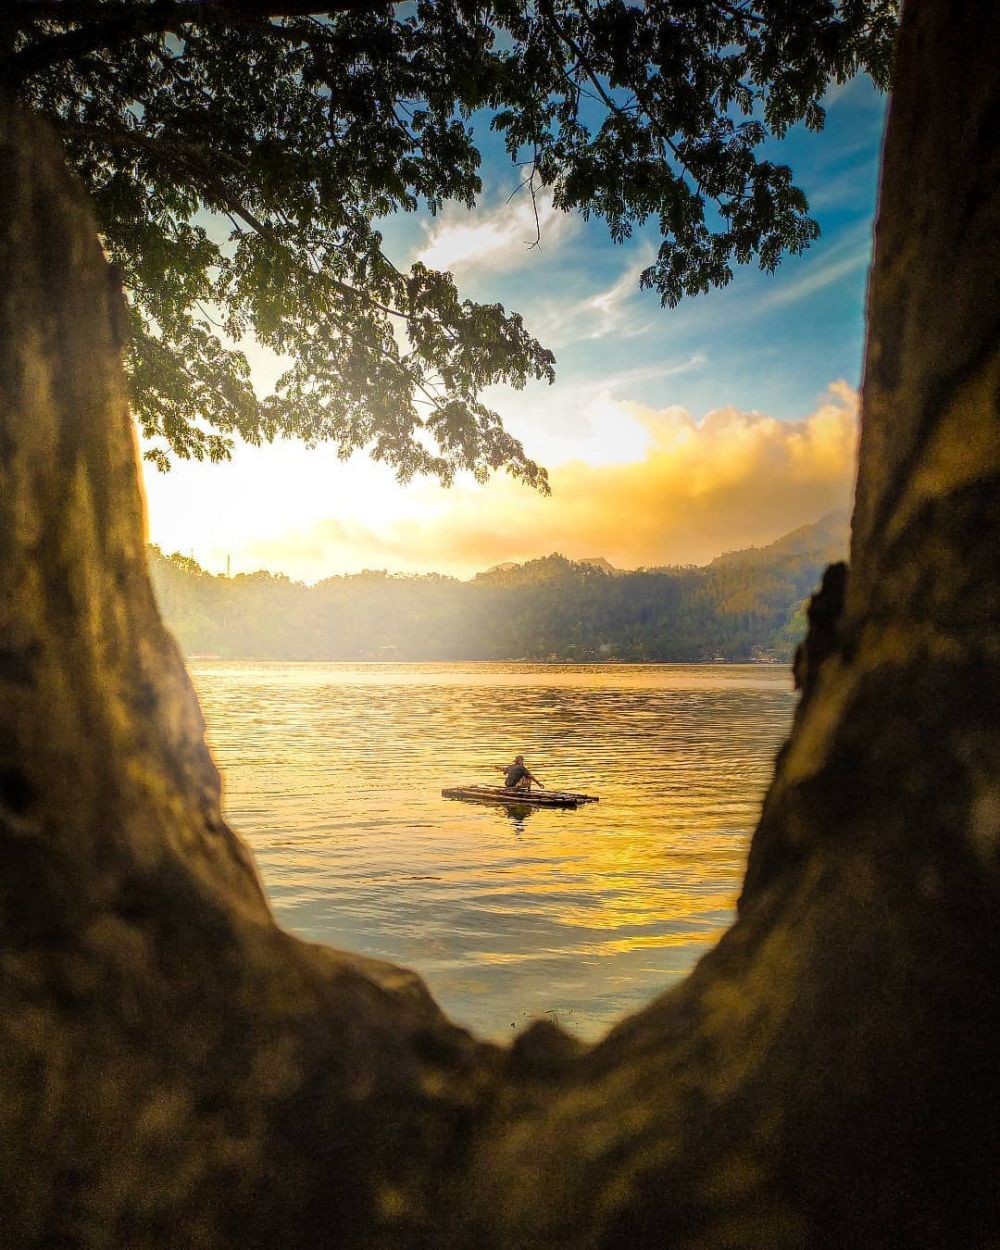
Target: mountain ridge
column 829, row 537
column 741, row 606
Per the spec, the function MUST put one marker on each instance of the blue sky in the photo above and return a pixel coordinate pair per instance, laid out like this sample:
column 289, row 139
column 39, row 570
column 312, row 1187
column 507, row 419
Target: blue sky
column 630, row 416
column 772, row 342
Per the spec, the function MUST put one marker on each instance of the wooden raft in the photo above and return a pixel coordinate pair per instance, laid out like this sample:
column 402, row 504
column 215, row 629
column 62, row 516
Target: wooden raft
column 531, row 798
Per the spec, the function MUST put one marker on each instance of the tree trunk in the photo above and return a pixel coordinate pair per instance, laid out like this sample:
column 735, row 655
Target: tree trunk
column 179, row 1072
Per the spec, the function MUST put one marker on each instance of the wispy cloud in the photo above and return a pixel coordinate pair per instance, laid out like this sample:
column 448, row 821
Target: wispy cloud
column 847, row 257
column 614, row 310
column 500, row 237
column 859, row 91
column 843, row 189
column 614, row 383
column 620, row 310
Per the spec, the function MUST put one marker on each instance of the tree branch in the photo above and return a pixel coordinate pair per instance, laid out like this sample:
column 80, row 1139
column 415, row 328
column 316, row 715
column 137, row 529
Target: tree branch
column 188, row 10
column 606, row 99
column 740, row 14
column 198, row 165
column 99, row 26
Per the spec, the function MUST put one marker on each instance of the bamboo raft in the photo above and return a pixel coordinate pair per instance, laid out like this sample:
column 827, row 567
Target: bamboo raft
column 530, row 798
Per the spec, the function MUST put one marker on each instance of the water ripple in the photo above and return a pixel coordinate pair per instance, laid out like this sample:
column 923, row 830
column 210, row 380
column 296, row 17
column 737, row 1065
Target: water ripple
column 333, row 773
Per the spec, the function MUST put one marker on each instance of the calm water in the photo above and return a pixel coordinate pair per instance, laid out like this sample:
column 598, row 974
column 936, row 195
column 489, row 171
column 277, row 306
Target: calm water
column 333, row 773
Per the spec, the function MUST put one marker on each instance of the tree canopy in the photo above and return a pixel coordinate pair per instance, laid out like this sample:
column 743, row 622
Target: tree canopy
column 241, row 155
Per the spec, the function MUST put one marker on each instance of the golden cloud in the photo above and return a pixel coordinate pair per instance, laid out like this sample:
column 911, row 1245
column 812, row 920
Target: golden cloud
column 733, row 479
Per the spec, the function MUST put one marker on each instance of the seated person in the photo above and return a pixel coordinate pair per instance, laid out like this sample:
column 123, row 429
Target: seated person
column 517, row 777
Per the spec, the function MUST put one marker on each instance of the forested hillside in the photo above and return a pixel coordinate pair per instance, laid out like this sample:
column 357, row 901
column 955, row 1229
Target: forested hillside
column 743, row 605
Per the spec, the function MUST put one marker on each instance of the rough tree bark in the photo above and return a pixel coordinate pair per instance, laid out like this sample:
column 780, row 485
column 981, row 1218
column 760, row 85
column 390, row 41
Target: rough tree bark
column 176, row 1071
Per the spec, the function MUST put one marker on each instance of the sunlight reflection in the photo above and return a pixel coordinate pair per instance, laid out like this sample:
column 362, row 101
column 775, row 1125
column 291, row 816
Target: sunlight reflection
column 333, row 773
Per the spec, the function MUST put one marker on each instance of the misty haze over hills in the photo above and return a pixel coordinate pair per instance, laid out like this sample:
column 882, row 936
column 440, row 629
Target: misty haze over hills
column 743, row 605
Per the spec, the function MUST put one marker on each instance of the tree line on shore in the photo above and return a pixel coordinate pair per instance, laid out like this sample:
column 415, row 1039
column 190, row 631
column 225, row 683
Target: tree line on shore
column 743, row 605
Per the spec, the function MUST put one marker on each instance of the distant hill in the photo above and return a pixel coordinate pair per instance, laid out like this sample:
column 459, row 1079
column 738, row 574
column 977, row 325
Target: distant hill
column 827, row 539
column 744, row 605
column 553, row 568
column 508, row 566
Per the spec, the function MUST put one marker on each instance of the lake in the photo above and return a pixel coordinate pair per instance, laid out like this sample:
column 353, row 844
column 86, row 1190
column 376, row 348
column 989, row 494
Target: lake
column 333, row 774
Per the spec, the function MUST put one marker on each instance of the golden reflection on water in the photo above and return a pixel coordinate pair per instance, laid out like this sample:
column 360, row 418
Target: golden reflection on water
column 334, row 772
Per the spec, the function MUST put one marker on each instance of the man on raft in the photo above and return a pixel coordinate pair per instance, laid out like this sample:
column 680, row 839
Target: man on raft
column 517, row 777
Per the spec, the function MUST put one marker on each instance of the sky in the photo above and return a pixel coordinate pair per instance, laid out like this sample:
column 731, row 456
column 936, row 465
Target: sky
column 670, row 435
